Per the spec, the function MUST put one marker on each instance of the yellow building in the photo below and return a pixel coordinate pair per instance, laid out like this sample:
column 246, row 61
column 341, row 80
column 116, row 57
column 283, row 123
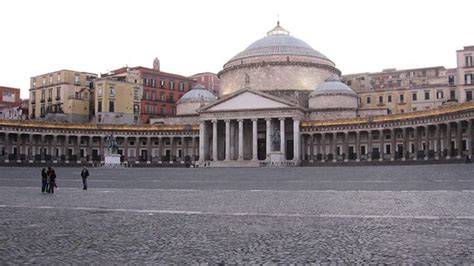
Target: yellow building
column 117, row 102
column 62, row 95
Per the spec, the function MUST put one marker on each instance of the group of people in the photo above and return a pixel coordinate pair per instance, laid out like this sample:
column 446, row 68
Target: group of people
column 48, row 179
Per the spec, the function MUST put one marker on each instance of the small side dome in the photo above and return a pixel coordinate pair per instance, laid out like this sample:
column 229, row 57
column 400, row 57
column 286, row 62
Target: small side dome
column 197, row 94
column 333, row 86
column 193, row 100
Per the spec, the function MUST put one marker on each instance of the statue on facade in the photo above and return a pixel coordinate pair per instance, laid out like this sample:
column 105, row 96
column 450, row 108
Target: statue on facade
column 276, row 140
column 111, row 143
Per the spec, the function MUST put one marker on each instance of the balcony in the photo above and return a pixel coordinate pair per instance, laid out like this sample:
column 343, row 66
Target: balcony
column 42, row 101
column 33, row 101
column 58, row 98
column 50, row 100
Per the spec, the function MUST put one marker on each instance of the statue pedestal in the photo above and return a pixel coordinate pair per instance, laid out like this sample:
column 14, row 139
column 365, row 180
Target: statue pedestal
column 277, row 156
column 112, row 159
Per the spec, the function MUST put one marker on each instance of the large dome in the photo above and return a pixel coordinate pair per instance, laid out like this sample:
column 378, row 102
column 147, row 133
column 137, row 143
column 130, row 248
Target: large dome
column 277, row 62
column 278, row 44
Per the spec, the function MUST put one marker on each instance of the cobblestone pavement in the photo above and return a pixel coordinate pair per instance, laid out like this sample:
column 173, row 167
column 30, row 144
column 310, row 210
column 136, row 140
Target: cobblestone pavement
column 419, row 214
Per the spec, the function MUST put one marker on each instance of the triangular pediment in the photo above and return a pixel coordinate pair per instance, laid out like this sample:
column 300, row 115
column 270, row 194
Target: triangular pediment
column 248, row 100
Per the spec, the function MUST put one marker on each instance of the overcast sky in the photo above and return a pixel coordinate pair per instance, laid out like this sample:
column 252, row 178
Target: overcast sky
column 196, row 36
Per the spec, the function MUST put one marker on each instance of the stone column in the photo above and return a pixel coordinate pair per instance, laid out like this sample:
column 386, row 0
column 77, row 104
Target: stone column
column 241, row 139
column 7, row 147
column 334, row 147
column 214, row 140
column 172, row 149
column 268, row 137
column 405, row 144
column 282, row 136
column 137, row 150
column 150, row 150
column 345, row 146
column 193, row 149
column 381, row 145
column 89, row 149
column 254, row 140
column 184, row 149
column 437, row 145
column 125, row 148
column 369, row 145
column 393, row 145
column 202, row 137
column 470, row 143
column 101, row 148
column 160, row 149
column 357, row 146
column 311, row 147
column 30, row 148
column 448, row 140
column 323, row 147
column 427, row 141
column 296, row 140
column 459, row 138
column 227, row 139
column 417, row 142
column 43, row 154
column 66, row 148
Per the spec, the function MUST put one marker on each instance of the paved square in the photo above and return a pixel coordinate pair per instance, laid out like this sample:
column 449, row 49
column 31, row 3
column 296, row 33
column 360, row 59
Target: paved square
column 383, row 214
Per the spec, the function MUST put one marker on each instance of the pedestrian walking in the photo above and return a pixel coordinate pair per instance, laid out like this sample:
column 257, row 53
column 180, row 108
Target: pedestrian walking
column 44, row 180
column 84, row 175
column 52, row 180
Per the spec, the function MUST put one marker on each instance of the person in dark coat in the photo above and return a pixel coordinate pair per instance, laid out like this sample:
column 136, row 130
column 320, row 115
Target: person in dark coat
column 52, row 179
column 84, row 175
column 44, row 180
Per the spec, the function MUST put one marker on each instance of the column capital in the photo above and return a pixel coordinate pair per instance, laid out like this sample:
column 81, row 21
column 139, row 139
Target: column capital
column 282, row 118
column 268, row 119
column 254, row 119
column 240, row 120
column 214, row 121
column 227, row 120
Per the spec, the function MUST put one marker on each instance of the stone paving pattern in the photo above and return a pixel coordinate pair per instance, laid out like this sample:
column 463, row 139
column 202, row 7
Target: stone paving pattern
column 240, row 216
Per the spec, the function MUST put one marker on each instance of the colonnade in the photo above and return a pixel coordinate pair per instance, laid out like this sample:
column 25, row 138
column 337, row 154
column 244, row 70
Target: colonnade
column 416, row 142
column 25, row 147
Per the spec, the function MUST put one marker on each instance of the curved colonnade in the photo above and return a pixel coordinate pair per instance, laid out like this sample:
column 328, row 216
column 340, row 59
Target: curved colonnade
column 445, row 133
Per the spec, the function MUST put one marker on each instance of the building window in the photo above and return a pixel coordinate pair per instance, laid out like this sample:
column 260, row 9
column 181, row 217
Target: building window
column 111, row 106
column 451, row 80
column 163, row 110
column 112, row 92
column 468, row 96
column 399, row 83
column 171, row 85
column 368, row 100
column 99, row 106
column 44, row 81
column 413, row 96
column 427, row 95
column 468, row 60
column 59, row 77
column 171, row 98
column 162, row 83
column 136, row 94
column 162, row 96
column 77, row 79
column 469, row 79
column 58, row 93
column 43, row 95
column 349, row 83
column 99, row 92
column 42, row 111
column 402, row 98
column 181, row 86
column 380, row 99
column 452, row 94
column 50, row 79
column 439, row 95
column 389, row 98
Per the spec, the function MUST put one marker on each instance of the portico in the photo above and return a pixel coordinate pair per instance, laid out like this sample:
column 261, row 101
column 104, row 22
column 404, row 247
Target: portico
column 259, row 126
